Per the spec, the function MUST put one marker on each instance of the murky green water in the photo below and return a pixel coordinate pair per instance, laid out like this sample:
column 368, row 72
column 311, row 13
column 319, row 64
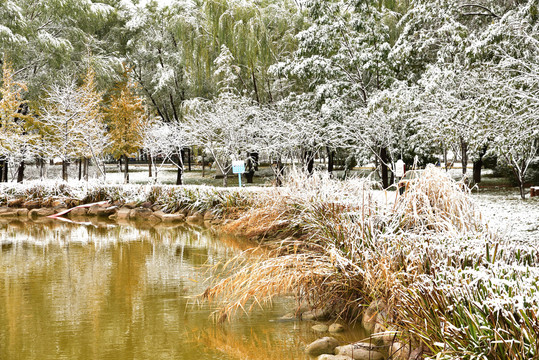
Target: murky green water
column 105, row 291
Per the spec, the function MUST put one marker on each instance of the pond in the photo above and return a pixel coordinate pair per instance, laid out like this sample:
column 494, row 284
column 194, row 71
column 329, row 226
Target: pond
column 105, row 291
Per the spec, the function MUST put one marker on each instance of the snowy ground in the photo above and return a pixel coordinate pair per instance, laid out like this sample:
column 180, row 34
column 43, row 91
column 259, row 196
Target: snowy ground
column 507, row 213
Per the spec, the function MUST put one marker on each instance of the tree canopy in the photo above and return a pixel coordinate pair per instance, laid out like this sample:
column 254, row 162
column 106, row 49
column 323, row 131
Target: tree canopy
column 381, row 79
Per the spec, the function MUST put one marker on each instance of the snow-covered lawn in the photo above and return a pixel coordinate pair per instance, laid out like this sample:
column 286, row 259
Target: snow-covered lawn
column 510, row 216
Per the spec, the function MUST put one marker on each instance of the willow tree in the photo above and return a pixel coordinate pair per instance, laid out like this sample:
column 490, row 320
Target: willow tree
column 127, row 119
column 258, row 35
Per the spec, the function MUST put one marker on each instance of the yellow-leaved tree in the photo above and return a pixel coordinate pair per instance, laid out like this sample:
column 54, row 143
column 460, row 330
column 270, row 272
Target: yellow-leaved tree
column 127, row 119
column 13, row 121
column 94, row 138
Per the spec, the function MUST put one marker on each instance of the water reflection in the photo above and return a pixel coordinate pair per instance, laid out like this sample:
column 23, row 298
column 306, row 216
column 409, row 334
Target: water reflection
column 121, row 292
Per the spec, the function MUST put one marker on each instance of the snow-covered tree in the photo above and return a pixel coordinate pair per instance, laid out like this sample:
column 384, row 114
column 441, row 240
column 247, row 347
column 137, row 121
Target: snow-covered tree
column 225, row 127
column 72, row 123
column 165, row 141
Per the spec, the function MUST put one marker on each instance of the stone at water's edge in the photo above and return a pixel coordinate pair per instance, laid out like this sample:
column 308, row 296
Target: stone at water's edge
column 57, row 203
column 23, row 212
column 360, row 351
column 78, row 212
column 316, row 314
column 288, row 317
column 34, row 213
column 325, row 345
column 399, row 351
column 320, row 328
column 143, row 214
column 31, row 204
column 336, row 328
column 130, row 205
column 195, row 218
column 9, row 214
column 333, row 357
column 370, row 315
column 122, row 214
column 169, row 217
column 146, row 205
column 101, row 211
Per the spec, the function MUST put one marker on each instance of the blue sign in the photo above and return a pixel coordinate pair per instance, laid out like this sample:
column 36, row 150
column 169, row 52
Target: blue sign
column 238, row 167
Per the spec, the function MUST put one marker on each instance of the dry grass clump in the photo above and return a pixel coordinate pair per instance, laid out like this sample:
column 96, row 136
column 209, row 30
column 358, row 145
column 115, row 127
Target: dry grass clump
column 436, row 203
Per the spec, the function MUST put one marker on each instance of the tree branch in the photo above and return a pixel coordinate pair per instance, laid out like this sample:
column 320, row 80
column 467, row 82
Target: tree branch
column 489, row 12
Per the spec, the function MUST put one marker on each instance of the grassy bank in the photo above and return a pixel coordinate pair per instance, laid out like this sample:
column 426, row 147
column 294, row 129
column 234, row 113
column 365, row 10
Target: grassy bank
column 450, row 286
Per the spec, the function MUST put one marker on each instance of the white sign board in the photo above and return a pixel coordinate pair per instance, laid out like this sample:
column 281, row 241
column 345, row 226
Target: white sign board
column 399, row 168
column 238, row 167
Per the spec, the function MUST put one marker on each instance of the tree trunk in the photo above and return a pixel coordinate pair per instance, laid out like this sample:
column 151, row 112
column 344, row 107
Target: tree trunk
column 225, row 179
column 383, row 163
column 179, row 175
column 203, row 165
column 80, row 161
column 126, row 173
column 255, row 87
column 255, row 157
column 250, row 169
column 64, row 170
column 279, row 173
column 520, row 179
column 3, row 169
column 189, row 159
column 478, row 165
column 150, row 165
column 331, row 156
column 464, row 153
column 20, row 172
column 41, row 163
column 6, row 170
column 85, row 168
column 309, row 159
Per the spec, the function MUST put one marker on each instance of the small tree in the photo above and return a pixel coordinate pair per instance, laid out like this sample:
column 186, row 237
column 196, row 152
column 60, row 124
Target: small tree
column 127, row 119
column 166, row 140
column 72, row 123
